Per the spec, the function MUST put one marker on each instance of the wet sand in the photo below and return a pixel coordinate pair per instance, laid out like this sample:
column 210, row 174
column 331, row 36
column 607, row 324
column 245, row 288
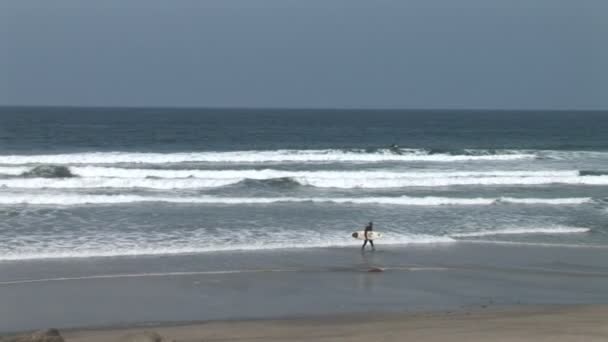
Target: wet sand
column 558, row 323
column 247, row 287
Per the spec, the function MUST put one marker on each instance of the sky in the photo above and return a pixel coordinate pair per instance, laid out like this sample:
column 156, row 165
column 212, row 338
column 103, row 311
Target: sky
column 441, row 54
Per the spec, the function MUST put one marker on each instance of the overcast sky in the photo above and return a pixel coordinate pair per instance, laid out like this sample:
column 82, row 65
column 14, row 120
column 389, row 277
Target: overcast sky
column 524, row 54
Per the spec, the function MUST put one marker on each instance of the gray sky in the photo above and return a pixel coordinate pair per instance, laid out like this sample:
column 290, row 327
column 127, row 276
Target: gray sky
column 525, row 54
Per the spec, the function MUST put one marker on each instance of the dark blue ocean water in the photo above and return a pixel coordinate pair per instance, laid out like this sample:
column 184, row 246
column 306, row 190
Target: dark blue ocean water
column 62, row 130
column 90, row 182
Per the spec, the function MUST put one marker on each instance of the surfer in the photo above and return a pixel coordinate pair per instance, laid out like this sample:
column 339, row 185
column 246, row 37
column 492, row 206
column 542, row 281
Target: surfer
column 394, row 148
column 368, row 229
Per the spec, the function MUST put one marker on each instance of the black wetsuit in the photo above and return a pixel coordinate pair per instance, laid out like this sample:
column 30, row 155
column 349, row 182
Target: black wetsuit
column 368, row 228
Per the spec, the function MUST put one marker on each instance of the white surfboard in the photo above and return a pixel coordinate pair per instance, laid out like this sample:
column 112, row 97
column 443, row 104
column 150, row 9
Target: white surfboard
column 373, row 235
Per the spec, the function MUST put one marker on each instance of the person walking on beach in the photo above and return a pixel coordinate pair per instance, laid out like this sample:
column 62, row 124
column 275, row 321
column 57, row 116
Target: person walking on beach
column 368, row 229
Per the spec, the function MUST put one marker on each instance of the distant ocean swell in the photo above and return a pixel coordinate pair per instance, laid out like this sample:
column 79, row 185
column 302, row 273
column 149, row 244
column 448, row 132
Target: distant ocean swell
column 200, row 241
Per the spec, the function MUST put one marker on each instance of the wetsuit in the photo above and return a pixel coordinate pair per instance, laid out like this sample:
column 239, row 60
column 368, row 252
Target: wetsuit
column 368, row 229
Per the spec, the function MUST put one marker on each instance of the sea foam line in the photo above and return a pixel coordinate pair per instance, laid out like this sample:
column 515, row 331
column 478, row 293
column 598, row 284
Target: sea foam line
column 13, row 170
column 297, row 156
column 344, row 183
column 350, row 183
column 76, row 199
column 228, row 174
column 254, row 156
column 193, row 244
column 92, row 171
column 93, row 245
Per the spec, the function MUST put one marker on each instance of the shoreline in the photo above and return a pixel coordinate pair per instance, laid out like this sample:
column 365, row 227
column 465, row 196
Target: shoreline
column 388, row 246
column 519, row 323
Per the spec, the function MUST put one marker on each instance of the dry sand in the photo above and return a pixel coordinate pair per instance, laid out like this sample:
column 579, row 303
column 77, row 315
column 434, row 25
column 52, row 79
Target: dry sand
column 554, row 324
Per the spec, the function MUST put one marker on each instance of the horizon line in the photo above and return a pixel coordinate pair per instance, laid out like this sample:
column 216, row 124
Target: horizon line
column 273, row 108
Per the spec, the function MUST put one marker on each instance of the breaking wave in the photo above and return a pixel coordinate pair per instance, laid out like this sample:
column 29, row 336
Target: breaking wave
column 282, row 182
column 81, row 199
column 13, row 170
column 49, row 171
column 299, row 156
column 58, row 171
column 119, row 183
column 93, row 171
column 345, row 183
column 257, row 156
column 100, row 177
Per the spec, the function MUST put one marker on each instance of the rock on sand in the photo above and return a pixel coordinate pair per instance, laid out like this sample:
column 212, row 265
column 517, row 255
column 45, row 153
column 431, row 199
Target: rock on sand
column 50, row 335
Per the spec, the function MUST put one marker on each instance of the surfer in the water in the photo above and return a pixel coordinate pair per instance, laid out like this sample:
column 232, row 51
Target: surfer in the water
column 368, row 229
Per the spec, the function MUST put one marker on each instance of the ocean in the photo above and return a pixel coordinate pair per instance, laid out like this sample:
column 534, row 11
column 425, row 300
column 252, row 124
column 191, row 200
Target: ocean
column 84, row 183
column 100, row 193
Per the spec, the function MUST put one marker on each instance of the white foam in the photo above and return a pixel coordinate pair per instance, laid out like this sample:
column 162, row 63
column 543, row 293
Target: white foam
column 523, row 231
column 350, row 183
column 94, row 171
column 327, row 155
column 13, row 170
column 82, row 199
column 324, row 179
column 201, row 242
column 120, row 183
column 254, row 156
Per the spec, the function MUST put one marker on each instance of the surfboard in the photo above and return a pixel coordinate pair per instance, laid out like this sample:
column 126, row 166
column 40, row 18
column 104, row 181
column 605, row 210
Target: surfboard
column 373, row 235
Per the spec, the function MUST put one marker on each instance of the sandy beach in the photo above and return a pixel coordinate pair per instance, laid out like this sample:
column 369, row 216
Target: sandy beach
column 560, row 323
column 249, row 288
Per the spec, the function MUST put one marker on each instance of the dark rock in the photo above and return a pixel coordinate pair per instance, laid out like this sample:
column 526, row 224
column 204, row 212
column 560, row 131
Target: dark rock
column 375, row 269
column 50, row 335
